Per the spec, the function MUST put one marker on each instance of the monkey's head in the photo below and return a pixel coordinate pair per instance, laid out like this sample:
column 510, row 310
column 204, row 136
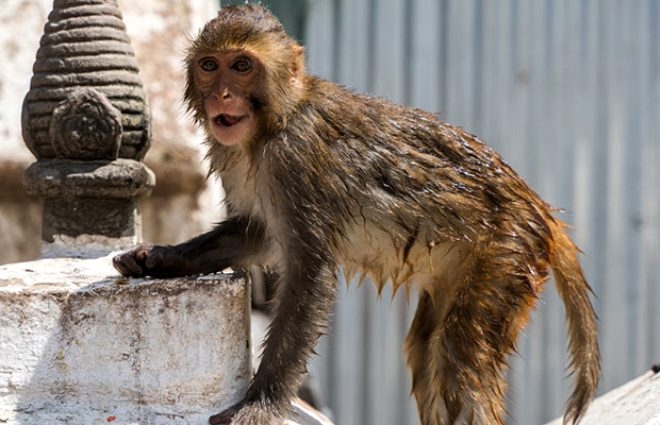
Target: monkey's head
column 244, row 75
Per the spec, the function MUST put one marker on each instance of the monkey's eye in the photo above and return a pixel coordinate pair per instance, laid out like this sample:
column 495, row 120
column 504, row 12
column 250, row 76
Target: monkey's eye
column 242, row 65
column 208, row 64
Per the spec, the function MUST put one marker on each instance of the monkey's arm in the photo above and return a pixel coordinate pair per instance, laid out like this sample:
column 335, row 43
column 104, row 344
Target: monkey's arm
column 303, row 304
column 210, row 252
column 301, row 319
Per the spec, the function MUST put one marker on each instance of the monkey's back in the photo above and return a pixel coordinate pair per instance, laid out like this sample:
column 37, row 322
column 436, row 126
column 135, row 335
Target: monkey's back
column 412, row 194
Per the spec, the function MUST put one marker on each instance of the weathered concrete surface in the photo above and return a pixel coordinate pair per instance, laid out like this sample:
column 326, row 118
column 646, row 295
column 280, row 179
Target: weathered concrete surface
column 635, row 403
column 22, row 23
column 80, row 346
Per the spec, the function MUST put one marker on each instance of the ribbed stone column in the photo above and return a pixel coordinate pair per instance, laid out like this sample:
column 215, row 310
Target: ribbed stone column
column 86, row 120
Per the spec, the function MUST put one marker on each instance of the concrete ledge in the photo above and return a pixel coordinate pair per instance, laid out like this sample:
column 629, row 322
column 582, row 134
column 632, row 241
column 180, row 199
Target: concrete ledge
column 81, row 346
column 634, row 403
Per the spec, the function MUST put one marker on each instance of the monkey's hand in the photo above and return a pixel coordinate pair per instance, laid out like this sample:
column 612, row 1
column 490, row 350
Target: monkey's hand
column 246, row 413
column 151, row 260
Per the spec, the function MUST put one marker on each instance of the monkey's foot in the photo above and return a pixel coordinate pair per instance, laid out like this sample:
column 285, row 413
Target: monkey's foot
column 245, row 414
column 223, row 417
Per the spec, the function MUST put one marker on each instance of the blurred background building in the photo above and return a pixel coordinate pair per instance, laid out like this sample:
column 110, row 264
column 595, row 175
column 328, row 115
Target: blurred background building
column 568, row 91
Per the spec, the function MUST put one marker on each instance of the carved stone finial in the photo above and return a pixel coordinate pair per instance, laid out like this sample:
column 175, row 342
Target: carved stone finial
column 86, row 120
column 85, row 47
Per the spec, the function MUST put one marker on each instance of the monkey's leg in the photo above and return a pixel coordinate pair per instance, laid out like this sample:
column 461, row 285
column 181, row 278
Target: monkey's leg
column 418, row 356
column 490, row 307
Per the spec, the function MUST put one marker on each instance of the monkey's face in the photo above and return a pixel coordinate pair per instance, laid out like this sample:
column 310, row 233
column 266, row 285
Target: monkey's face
column 228, row 81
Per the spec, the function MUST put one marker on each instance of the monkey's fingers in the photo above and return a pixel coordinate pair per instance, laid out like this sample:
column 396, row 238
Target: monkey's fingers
column 131, row 263
column 127, row 266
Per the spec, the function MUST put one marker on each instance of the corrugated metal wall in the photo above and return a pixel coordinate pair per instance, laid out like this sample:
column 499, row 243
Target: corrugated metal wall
column 569, row 92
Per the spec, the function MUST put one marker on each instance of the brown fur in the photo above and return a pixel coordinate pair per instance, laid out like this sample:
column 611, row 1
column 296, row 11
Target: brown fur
column 331, row 177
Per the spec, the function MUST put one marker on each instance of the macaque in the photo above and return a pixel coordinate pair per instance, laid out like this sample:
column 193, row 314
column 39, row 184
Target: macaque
column 319, row 179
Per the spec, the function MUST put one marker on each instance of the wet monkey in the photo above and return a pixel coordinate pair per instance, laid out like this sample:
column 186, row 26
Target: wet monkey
column 317, row 176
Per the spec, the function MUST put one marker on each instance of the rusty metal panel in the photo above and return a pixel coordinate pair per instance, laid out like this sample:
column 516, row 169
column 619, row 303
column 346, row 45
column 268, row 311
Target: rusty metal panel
column 568, row 91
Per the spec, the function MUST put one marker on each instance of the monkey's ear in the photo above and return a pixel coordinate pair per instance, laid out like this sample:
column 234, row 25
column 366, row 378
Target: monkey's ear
column 298, row 63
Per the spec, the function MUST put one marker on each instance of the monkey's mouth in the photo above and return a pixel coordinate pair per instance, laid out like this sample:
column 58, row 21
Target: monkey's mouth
column 226, row 120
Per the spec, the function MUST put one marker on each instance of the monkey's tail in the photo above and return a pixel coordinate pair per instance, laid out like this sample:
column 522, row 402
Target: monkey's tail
column 581, row 317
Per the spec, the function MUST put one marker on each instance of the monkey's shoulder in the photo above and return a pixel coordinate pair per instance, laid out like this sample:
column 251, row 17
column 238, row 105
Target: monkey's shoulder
column 341, row 114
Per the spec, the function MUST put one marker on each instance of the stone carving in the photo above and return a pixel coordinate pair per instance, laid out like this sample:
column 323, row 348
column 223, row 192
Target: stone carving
column 85, row 69
column 86, row 126
column 85, row 119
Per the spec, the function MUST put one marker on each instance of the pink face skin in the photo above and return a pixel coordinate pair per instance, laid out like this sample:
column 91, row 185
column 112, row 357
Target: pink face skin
column 226, row 79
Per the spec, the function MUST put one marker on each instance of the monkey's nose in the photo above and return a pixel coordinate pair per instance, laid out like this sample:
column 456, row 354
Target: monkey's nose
column 222, row 95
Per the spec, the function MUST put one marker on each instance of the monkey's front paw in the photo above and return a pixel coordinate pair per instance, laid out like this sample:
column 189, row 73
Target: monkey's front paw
column 132, row 263
column 151, row 260
column 246, row 414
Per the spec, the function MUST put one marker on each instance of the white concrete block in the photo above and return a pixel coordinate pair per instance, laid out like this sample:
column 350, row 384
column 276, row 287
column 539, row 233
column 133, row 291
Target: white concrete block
column 79, row 345
column 634, row 403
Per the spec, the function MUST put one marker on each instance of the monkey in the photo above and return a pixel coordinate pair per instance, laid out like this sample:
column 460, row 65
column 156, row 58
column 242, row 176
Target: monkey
column 320, row 180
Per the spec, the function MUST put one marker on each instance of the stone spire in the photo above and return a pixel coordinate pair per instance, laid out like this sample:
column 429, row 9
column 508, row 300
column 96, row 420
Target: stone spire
column 86, row 120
